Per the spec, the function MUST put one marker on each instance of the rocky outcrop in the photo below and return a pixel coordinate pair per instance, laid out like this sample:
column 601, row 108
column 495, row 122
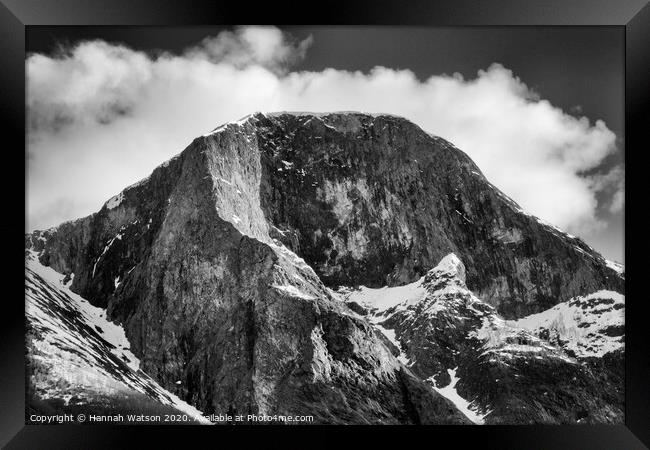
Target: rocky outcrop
column 561, row 366
column 219, row 265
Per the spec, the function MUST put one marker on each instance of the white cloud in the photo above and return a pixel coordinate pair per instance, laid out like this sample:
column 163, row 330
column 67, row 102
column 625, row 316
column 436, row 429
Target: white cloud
column 265, row 46
column 617, row 202
column 103, row 116
column 612, row 184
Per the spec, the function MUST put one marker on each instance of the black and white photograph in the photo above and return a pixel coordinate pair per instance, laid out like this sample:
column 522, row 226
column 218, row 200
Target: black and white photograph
column 325, row 225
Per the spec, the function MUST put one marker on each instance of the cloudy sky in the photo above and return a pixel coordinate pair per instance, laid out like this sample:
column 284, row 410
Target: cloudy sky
column 539, row 110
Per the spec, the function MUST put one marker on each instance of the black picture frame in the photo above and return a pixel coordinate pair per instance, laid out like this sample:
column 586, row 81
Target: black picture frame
column 17, row 15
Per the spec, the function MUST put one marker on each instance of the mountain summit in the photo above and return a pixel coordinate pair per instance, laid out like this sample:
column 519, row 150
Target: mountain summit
column 233, row 268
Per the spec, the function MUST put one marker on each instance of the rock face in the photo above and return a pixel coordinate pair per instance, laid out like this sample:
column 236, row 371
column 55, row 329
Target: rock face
column 220, row 265
column 377, row 201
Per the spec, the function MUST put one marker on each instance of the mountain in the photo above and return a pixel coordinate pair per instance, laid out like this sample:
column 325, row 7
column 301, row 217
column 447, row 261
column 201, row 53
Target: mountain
column 236, row 268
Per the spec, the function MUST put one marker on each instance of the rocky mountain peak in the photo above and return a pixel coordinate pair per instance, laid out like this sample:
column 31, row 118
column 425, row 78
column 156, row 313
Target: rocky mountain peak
column 363, row 199
column 450, row 271
column 222, row 267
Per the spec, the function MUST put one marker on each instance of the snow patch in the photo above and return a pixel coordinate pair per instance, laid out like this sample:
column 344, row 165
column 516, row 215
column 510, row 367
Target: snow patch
column 390, row 335
column 381, row 299
column 449, row 392
column 292, row 291
column 590, row 326
column 450, row 265
column 222, row 127
column 106, row 247
column 618, row 267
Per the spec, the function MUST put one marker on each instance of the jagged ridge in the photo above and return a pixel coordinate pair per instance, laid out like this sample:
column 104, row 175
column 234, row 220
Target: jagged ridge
column 544, row 368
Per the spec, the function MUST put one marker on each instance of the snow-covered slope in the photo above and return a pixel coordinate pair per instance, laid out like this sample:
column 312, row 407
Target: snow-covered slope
column 588, row 326
column 442, row 292
column 450, row 393
column 379, row 300
column 445, row 334
column 396, row 312
column 75, row 353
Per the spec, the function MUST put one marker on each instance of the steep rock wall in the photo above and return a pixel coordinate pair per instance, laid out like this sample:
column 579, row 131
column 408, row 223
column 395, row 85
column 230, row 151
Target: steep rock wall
column 374, row 200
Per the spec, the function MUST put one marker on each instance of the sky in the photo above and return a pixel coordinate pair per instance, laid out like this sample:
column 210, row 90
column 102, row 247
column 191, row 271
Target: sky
column 540, row 110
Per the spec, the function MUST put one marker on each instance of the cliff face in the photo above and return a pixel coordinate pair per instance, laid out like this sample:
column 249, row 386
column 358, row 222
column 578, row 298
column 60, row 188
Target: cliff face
column 376, row 201
column 219, row 265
